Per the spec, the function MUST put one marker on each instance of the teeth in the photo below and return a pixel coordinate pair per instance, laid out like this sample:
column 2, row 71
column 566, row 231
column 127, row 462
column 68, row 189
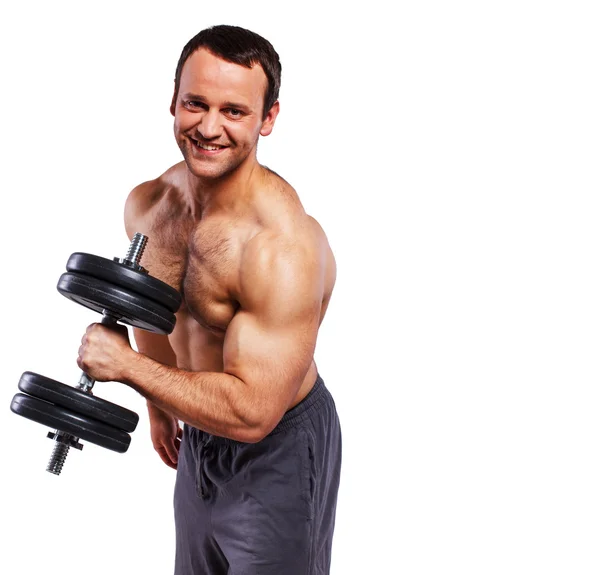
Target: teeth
column 207, row 147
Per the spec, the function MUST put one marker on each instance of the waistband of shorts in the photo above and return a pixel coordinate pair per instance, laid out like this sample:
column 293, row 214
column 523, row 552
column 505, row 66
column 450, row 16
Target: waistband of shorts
column 305, row 409
column 292, row 418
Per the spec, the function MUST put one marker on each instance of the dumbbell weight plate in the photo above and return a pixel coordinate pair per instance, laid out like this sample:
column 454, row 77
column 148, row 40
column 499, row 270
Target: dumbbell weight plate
column 125, row 277
column 78, row 401
column 127, row 306
column 63, row 419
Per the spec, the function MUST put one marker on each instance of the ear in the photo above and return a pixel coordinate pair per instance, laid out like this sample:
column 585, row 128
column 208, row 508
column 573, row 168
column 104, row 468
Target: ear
column 269, row 121
column 173, row 101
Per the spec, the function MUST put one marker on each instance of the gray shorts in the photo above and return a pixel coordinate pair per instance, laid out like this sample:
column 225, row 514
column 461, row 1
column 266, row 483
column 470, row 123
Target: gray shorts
column 264, row 508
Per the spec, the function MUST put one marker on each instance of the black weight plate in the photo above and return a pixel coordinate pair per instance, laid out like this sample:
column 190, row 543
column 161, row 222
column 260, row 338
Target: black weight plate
column 125, row 277
column 130, row 308
column 78, row 401
column 65, row 420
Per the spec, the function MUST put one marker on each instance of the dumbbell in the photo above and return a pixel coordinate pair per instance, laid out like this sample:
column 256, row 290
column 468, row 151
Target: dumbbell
column 122, row 291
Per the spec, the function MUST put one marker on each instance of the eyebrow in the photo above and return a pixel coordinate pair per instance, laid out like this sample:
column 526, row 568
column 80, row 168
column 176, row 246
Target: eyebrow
column 237, row 105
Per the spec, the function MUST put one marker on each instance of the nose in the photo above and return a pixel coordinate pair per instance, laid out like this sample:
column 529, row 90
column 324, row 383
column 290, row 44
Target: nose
column 209, row 127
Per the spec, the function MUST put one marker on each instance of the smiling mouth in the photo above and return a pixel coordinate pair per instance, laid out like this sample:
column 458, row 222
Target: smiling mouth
column 207, row 147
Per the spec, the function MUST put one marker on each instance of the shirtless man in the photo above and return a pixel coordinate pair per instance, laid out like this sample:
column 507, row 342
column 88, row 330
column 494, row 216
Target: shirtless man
column 259, row 460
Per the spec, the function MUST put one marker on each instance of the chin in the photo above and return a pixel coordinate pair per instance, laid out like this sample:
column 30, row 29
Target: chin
column 210, row 170
column 207, row 172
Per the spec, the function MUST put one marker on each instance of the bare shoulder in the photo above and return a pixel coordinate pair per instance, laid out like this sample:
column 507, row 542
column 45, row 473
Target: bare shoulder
column 139, row 202
column 289, row 217
column 291, row 251
column 144, row 200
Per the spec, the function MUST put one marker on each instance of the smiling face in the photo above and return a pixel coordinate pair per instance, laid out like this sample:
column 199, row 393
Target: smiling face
column 218, row 114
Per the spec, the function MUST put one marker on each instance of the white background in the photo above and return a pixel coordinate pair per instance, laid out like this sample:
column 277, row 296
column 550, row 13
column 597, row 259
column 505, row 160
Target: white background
column 450, row 150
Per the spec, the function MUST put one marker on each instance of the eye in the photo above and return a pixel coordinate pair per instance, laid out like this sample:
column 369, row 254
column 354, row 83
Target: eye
column 234, row 113
column 194, row 104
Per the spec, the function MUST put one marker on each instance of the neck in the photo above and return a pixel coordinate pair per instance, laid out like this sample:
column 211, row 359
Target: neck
column 227, row 194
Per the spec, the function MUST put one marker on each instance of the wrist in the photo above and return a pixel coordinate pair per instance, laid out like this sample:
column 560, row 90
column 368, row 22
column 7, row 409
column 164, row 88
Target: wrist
column 153, row 409
column 130, row 369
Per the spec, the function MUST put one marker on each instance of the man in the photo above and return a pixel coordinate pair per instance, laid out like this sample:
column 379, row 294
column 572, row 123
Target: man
column 259, row 461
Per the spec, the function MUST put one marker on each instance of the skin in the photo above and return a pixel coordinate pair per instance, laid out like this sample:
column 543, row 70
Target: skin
column 255, row 271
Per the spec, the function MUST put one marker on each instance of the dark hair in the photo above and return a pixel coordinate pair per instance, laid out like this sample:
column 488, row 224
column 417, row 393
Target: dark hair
column 239, row 46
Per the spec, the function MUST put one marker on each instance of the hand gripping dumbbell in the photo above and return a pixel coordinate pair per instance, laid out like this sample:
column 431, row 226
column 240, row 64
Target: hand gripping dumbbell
column 123, row 291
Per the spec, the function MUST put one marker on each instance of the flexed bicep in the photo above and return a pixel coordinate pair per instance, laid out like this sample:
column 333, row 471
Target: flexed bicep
column 270, row 342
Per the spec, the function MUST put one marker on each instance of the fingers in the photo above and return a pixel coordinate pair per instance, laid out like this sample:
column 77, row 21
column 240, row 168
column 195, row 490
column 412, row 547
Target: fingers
column 98, row 326
column 166, row 459
column 87, row 331
column 80, row 352
column 168, row 451
column 172, row 451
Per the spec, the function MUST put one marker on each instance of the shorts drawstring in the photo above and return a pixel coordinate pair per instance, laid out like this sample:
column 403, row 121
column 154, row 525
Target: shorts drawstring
column 204, row 454
column 200, row 475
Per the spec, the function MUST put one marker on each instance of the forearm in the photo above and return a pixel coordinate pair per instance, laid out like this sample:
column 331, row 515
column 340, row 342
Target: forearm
column 218, row 403
column 156, row 347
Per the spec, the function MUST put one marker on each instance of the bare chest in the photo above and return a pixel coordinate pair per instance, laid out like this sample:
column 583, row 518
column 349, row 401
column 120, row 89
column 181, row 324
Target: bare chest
column 204, row 269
